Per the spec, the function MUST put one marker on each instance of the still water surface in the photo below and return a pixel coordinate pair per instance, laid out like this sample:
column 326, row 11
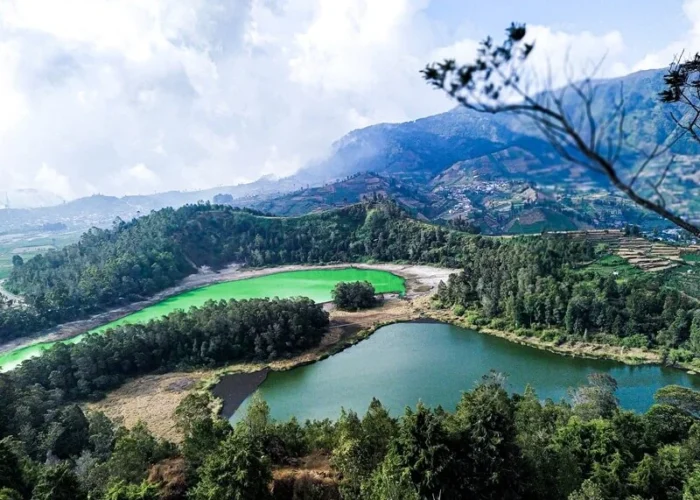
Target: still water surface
column 406, row 362
column 316, row 284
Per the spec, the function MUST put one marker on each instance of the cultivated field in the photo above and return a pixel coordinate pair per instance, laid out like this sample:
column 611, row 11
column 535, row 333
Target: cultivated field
column 650, row 256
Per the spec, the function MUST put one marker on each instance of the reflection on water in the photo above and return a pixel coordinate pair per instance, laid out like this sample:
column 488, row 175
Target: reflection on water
column 403, row 363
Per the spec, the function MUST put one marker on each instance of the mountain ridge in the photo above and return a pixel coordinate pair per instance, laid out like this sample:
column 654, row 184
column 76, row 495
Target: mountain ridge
column 442, row 159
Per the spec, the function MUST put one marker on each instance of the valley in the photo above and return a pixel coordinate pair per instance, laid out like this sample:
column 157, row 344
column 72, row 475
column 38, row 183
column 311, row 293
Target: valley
column 557, row 309
column 323, row 250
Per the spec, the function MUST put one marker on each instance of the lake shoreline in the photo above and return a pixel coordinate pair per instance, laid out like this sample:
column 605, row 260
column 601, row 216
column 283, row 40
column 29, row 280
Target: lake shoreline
column 585, row 350
column 418, row 279
column 346, row 330
column 577, row 349
column 438, row 360
column 135, row 400
column 588, row 350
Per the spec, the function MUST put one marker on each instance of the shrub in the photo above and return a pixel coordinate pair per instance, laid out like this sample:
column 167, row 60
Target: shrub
column 549, row 335
column 458, row 310
column 638, row 340
column 481, row 321
column 676, row 356
column 353, row 296
column 500, row 324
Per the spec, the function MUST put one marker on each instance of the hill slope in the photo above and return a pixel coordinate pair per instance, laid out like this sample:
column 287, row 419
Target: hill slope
column 427, row 146
column 362, row 186
column 139, row 258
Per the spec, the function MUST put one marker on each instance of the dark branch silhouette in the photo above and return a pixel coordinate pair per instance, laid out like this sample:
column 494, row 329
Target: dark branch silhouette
column 565, row 117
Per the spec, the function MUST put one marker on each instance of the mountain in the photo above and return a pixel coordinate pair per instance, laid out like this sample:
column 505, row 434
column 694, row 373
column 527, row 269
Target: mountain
column 513, row 163
column 418, row 149
column 458, row 164
column 422, row 148
column 480, row 162
column 100, row 210
column 365, row 185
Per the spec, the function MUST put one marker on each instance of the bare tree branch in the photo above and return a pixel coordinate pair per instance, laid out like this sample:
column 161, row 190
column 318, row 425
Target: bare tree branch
column 493, row 84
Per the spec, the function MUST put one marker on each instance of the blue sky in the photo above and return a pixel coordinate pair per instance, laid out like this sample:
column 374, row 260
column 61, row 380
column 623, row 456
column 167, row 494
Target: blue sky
column 646, row 25
column 138, row 96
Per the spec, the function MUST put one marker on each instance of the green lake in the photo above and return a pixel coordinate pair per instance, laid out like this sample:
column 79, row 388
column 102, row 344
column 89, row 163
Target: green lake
column 404, row 363
column 315, row 284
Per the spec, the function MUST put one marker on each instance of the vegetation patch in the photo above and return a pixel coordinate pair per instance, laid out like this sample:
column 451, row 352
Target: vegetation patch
column 692, row 257
column 354, row 296
column 613, row 265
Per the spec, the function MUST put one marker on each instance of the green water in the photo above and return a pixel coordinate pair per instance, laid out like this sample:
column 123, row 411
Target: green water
column 403, row 363
column 315, row 284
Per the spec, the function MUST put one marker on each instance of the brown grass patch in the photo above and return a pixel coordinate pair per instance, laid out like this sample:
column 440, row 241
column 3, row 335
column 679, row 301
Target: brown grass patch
column 152, row 399
column 309, row 477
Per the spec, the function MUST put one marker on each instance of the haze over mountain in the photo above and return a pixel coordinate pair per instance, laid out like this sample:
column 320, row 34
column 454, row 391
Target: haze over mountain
column 431, row 165
column 137, row 97
column 28, row 198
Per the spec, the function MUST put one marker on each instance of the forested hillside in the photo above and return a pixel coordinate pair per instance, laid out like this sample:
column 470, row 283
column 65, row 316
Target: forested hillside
column 532, row 283
column 134, row 260
column 46, row 439
column 33, row 397
column 531, row 287
column 492, row 445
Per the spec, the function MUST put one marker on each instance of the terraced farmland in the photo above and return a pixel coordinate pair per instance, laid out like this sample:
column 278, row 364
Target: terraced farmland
column 650, row 256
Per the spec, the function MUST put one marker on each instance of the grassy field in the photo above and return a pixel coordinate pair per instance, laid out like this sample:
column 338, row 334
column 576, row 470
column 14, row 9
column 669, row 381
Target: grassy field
column 685, row 278
column 691, row 257
column 28, row 246
column 5, row 266
column 549, row 221
column 611, row 264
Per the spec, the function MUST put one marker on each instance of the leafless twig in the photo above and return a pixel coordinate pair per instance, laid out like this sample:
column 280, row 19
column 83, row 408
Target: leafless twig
column 493, row 84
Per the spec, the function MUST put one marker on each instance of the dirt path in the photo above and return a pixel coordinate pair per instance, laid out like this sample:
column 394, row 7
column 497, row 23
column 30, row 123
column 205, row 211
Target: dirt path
column 419, row 280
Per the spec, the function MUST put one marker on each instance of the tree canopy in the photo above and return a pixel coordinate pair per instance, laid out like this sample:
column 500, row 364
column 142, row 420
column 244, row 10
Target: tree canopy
column 354, row 296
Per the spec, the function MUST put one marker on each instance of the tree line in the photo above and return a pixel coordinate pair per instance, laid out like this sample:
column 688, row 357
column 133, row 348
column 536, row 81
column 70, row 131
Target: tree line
column 541, row 286
column 134, row 260
column 533, row 284
column 36, row 397
column 493, row 445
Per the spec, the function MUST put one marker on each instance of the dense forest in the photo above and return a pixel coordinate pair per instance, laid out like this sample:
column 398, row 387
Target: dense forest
column 536, row 286
column 134, row 260
column 493, row 445
column 35, row 398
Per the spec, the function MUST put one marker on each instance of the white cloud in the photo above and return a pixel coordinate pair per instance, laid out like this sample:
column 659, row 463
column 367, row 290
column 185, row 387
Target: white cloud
column 12, row 101
column 576, row 55
column 338, row 50
column 48, row 179
column 687, row 43
column 558, row 57
column 195, row 93
column 136, row 179
column 142, row 173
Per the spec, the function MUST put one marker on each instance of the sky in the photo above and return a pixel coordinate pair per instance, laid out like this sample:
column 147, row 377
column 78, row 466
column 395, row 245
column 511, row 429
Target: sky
column 140, row 96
